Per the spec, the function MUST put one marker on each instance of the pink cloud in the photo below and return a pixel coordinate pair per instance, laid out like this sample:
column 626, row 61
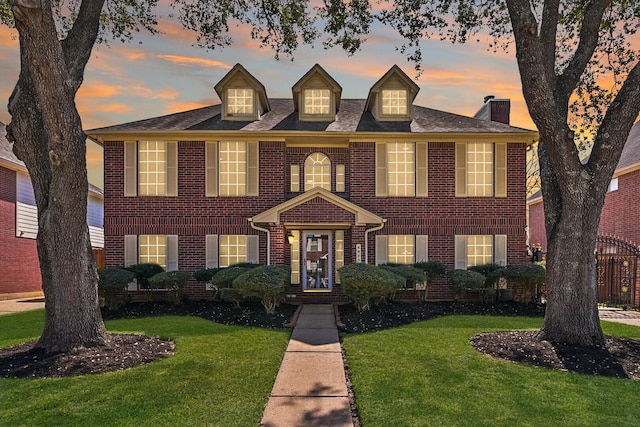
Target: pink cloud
column 194, row 61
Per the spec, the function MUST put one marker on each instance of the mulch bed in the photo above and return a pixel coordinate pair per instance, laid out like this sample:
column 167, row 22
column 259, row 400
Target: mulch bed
column 620, row 358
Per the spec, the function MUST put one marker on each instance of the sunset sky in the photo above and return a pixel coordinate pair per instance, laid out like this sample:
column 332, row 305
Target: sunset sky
column 164, row 74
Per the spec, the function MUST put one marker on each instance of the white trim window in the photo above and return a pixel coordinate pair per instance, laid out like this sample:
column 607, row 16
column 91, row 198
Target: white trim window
column 481, row 169
column 401, row 248
column 401, row 169
column 228, row 249
column 473, row 250
column 240, row 101
column 232, row 168
column 394, row 102
column 317, row 101
column 151, row 168
column 151, row 248
column 317, row 172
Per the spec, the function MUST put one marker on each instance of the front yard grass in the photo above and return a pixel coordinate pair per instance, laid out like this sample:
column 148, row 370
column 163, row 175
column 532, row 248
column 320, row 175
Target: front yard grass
column 428, row 374
column 220, row 376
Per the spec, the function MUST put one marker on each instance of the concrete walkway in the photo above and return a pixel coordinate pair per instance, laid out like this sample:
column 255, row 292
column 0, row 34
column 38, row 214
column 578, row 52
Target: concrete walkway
column 630, row 317
column 311, row 387
column 18, row 305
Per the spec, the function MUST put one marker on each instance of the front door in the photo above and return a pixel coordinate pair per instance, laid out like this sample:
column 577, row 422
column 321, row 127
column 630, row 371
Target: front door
column 317, row 261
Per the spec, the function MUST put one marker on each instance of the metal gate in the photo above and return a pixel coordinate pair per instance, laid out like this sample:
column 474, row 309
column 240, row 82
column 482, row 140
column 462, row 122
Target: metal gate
column 617, row 262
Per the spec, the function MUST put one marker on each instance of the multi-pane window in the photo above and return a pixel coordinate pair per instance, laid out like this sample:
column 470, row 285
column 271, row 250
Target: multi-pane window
column 401, row 249
column 394, row 102
column 295, row 256
column 401, row 169
column 316, row 101
column 240, row 101
column 340, row 176
column 295, row 178
column 152, row 249
column 233, row 249
column 339, row 252
column 480, row 169
column 233, row 168
column 479, row 250
column 151, row 168
column 317, row 172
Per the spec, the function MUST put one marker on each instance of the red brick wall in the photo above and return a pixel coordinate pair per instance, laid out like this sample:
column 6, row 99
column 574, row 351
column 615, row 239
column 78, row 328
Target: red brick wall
column 619, row 216
column 621, row 209
column 192, row 215
column 19, row 266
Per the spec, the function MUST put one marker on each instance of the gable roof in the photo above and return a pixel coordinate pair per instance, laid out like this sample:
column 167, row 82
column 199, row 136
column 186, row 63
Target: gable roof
column 362, row 216
column 630, row 157
column 317, row 70
column 7, row 158
column 393, row 71
column 352, row 119
column 237, row 70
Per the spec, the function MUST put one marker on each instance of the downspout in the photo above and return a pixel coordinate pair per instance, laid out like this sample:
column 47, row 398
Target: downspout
column 255, row 227
column 366, row 239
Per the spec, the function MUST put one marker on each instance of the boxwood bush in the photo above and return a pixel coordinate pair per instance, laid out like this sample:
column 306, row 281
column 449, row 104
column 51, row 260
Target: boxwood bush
column 225, row 276
column 173, row 281
column 368, row 284
column 466, row 280
column 267, row 282
column 432, row 270
column 530, row 278
column 112, row 287
column 205, row 274
column 144, row 272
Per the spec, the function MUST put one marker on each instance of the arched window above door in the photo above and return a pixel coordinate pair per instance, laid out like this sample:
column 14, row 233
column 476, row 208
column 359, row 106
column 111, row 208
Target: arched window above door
column 317, row 172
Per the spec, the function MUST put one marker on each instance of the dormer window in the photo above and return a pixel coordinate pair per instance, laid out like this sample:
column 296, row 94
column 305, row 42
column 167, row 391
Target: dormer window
column 394, row 102
column 316, row 101
column 240, row 101
column 391, row 98
column 316, row 96
column 243, row 97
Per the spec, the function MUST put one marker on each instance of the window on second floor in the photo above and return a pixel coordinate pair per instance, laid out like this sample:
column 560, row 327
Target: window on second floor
column 231, row 168
column 394, row 102
column 401, row 169
column 317, row 172
column 151, row 168
column 317, row 101
column 481, row 170
column 240, row 101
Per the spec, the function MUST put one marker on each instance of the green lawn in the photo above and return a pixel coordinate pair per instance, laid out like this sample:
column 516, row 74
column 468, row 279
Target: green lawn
column 220, row 376
column 427, row 374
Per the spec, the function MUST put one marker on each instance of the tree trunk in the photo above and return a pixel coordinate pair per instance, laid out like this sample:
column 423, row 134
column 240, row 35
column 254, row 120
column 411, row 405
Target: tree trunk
column 572, row 297
column 48, row 137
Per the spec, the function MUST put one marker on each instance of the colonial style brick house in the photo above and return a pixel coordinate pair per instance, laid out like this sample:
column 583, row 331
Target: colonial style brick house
column 315, row 181
column 619, row 230
column 19, row 265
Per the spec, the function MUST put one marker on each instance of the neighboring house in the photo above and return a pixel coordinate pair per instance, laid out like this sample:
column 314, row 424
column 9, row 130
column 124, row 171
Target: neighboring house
column 19, row 265
column 619, row 230
column 315, row 182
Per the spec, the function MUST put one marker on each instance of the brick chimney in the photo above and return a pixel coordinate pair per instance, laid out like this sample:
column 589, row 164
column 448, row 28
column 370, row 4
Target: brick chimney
column 495, row 110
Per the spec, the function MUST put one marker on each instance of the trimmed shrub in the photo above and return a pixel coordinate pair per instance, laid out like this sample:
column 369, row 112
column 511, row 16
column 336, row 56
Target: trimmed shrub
column 112, row 287
column 492, row 273
column 466, row 280
column 409, row 273
column 173, row 281
column 225, row 276
column 528, row 276
column 432, row 270
column 232, row 295
column 144, row 272
column 205, row 274
column 366, row 284
column 267, row 282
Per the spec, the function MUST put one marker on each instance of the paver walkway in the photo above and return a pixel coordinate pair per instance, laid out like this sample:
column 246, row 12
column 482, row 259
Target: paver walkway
column 311, row 387
column 18, row 305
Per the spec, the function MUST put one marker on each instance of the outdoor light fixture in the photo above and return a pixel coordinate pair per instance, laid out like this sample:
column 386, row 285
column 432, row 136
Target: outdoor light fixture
column 290, row 237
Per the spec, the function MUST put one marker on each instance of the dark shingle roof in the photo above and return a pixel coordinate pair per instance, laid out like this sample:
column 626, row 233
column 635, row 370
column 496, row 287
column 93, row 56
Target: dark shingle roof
column 631, row 152
column 6, row 153
column 282, row 117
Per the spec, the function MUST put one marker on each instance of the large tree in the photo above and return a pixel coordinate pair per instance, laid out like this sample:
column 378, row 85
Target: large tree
column 56, row 40
column 563, row 48
column 581, row 82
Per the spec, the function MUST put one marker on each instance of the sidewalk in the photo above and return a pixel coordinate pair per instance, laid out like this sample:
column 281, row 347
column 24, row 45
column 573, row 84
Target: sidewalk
column 630, row 317
column 18, row 305
column 311, row 388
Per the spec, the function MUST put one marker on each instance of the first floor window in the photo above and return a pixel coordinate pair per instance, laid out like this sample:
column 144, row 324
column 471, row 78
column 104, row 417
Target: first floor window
column 401, row 249
column 153, row 250
column 233, row 250
column 471, row 250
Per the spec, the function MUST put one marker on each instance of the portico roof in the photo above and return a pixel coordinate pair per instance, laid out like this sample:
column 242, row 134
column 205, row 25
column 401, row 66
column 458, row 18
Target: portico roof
column 362, row 216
